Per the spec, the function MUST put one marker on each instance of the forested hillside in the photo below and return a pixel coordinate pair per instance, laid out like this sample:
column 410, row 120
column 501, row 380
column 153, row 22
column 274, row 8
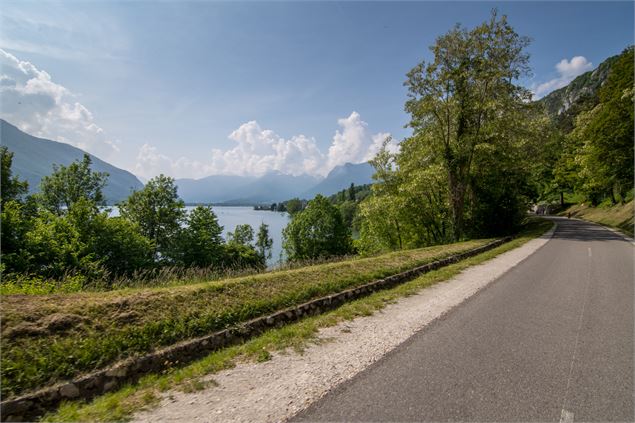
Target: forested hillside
column 591, row 154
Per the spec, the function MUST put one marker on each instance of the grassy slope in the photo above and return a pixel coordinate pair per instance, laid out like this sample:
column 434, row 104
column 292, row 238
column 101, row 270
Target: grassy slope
column 119, row 405
column 619, row 216
column 47, row 338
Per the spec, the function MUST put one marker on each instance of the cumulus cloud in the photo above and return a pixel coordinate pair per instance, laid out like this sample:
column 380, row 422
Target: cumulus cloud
column 258, row 151
column 41, row 107
column 567, row 71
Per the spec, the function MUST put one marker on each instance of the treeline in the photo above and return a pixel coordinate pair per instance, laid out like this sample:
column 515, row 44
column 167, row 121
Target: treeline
column 64, row 232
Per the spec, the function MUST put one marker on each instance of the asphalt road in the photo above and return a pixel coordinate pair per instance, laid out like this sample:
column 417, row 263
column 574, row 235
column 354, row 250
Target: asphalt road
column 551, row 340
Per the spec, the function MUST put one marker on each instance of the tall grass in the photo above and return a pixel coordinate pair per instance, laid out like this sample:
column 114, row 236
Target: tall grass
column 112, row 325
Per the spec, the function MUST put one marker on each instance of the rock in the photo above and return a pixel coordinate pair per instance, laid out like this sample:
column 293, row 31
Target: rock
column 69, row 391
column 119, row 371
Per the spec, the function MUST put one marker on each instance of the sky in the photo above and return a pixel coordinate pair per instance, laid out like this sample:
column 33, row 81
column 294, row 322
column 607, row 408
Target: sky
column 191, row 89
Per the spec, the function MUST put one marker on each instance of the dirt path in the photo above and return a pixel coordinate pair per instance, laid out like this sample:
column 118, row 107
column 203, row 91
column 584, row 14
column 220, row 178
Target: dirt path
column 289, row 382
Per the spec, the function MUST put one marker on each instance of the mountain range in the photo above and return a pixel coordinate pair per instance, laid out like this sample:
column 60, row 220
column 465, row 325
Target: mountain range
column 271, row 187
column 33, row 158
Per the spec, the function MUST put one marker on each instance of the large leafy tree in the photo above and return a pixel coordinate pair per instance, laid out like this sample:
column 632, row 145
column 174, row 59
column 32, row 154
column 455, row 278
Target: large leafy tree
column 159, row 213
column 317, row 231
column 202, row 244
column 462, row 99
column 68, row 184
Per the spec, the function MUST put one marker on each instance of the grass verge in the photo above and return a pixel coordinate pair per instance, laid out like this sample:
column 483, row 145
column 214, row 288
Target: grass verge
column 49, row 338
column 620, row 216
column 120, row 405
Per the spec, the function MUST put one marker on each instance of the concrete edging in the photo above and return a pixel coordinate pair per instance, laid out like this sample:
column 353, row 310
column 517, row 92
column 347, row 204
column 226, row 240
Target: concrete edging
column 35, row 404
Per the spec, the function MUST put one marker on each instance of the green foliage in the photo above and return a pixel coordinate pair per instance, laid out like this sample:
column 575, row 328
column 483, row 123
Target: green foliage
column 201, row 243
column 592, row 158
column 53, row 247
column 241, row 256
column 11, row 187
column 159, row 213
column 465, row 99
column 263, row 241
column 317, row 231
column 68, row 185
column 293, row 206
column 605, row 136
column 242, row 235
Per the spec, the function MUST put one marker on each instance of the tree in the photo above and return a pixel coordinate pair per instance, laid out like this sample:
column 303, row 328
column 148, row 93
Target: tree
column 242, row 235
column 202, row 243
column 293, row 206
column 351, row 192
column 69, row 184
column 461, row 100
column 14, row 217
column 11, row 187
column 317, row 231
column 264, row 241
column 158, row 212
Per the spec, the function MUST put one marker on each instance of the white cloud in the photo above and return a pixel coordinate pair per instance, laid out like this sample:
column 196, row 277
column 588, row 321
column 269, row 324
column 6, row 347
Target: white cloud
column 258, row 151
column 567, row 70
column 41, row 107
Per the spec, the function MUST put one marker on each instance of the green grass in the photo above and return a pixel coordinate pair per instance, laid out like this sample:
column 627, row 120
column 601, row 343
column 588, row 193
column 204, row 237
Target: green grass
column 119, row 405
column 48, row 338
column 618, row 216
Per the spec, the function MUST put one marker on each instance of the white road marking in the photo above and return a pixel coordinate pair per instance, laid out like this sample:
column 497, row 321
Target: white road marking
column 566, row 416
column 589, row 251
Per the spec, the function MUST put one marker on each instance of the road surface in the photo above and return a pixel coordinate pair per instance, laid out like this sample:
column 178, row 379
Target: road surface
column 551, row 340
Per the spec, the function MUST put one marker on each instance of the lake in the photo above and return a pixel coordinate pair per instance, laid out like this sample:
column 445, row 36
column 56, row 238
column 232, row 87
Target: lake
column 230, row 217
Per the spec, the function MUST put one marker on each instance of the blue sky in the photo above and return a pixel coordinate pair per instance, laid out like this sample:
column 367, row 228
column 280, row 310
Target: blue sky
column 196, row 88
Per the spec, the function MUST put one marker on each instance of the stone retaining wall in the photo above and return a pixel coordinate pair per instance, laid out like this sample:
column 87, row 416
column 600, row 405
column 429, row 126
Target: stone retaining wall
column 35, row 404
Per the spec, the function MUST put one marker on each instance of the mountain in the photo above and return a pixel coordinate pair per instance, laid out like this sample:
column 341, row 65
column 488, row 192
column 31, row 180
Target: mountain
column 211, row 189
column 581, row 94
column 341, row 177
column 272, row 187
column 238, row 190
column 34, row 157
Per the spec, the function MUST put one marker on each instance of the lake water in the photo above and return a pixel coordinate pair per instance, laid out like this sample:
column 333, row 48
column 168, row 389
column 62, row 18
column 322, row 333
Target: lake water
column 230, row 217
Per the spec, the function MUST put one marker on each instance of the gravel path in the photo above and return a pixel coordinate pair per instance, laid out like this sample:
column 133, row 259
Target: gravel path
column 279, row 388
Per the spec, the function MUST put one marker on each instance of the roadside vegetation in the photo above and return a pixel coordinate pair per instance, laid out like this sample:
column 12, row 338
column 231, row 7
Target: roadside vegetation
column 119, row 405
column 619, row 216
column 47, row 338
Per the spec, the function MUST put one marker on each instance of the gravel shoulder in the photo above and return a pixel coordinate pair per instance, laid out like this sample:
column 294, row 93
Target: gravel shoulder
column 288, row 383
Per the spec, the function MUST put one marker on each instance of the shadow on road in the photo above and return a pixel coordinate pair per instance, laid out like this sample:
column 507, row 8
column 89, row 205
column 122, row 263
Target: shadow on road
column 578, row 230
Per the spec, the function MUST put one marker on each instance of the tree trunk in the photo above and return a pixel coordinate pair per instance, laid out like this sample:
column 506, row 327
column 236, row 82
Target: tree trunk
column 561, row 199
column 398, row 234
column 457, row 198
